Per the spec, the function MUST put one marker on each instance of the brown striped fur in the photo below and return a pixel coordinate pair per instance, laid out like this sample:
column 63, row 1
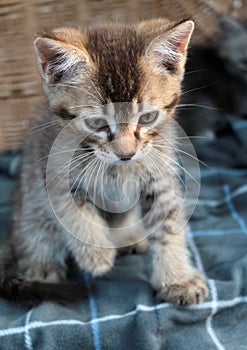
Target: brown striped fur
column 121, row 73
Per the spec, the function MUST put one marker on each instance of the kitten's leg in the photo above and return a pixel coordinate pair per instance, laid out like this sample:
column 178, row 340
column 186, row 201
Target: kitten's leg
column 42, row 245
column 40, row 254
column 93, row 249
column 129, row 234
column 173, row 276
column 47, row 271
column 176, row 280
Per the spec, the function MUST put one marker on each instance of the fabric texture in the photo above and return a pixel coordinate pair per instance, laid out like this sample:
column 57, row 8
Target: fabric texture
column 122, row 311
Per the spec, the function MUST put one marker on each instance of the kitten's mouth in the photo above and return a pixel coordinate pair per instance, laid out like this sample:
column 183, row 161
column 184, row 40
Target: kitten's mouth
column 123, row 162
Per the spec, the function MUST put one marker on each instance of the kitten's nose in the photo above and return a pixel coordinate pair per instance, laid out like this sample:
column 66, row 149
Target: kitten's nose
column 125, row 157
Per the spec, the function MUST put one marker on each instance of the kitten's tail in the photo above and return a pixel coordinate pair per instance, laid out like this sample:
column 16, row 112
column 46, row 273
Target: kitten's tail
column 16, row 289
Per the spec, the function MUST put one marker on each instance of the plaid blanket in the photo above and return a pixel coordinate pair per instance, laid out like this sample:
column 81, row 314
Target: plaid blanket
column 122, row 312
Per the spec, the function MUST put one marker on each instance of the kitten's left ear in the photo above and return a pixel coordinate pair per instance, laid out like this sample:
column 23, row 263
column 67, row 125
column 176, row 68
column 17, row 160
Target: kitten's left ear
column 167, row 52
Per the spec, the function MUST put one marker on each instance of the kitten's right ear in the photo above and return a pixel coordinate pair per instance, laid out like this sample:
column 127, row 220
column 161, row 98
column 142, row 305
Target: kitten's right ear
column 56, row 59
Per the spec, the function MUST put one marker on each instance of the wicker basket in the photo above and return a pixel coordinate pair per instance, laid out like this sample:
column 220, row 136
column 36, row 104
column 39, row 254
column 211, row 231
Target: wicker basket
column 21, row 91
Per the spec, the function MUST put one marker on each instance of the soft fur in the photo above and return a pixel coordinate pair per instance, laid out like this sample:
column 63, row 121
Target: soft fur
column 120, row 73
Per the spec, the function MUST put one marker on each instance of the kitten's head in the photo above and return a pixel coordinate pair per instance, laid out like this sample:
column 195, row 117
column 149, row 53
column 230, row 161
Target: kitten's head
column 118, row 83
column 232, row 45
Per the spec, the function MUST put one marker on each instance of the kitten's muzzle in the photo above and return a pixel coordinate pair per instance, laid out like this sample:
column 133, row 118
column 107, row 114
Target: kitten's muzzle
column 124, row 148
column 125, row 157
column 124, row 144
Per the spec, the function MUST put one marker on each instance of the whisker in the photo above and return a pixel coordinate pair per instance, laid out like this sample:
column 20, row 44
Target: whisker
column 81, row 176
column 179, row 140
column 197, row 71
column 184, row 152
column 158, row 168
column 102, row 173
column 199, row 88
column 64, row 151
column 91, row 171
column 153, row 164
column 98, row 166
column 190, row 137
column 97, row 90
column 180, row 179
column 81, row 89
column 171, row 169
column 67, row 166
column 197, row 105
column 175, row 138
column 78, row 106
column 176, row 163
column 43, row 126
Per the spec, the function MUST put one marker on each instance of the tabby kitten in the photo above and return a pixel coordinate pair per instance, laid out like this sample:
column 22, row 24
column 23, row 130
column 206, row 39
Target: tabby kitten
column 111, row 92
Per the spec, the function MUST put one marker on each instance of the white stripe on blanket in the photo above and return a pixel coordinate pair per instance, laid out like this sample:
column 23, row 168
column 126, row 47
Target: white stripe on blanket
column 140, row 308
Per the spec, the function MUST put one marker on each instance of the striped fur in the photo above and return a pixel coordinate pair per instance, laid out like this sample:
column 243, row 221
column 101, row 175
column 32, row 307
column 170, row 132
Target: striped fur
column 129, row 76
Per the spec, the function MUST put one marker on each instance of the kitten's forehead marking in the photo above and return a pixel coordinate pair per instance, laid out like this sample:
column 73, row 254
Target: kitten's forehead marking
column 112, row 50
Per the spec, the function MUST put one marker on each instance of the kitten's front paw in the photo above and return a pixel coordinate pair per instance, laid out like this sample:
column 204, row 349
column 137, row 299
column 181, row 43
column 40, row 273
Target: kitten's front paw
column 190, row 291
column 46, row 272
column 99, row 261
column 138, row 248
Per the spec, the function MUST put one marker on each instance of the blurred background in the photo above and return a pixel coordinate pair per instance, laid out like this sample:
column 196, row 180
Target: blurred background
column 21, row 89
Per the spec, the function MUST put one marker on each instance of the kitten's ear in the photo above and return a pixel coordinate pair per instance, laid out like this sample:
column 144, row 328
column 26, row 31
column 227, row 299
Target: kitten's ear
column 229, row 28
column 57, row 59
column 167, row 52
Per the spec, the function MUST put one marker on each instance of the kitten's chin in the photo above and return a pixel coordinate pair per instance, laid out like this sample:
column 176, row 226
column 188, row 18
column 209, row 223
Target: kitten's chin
column 111, row 160
column 120, row 162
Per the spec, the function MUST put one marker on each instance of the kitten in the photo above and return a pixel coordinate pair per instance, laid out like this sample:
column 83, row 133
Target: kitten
column 216, row 78
column 111, row 92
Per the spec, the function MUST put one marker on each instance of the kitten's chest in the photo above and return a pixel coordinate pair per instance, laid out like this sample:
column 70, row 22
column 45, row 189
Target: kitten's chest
column 113, row 191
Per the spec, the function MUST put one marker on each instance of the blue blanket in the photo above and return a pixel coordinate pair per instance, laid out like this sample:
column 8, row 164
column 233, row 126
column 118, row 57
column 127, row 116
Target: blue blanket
column 122, row 312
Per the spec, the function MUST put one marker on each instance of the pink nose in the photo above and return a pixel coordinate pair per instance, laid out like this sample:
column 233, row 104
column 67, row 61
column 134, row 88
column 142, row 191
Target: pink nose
column 125, row 156
column 124, row 144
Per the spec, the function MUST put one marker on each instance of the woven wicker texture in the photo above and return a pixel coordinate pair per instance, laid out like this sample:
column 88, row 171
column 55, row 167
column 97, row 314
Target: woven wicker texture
column 21, row 91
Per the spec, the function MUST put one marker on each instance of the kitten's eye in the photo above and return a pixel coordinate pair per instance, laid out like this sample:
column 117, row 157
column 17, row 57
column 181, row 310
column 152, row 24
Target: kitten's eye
column 148, row 118
column 96, row 123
